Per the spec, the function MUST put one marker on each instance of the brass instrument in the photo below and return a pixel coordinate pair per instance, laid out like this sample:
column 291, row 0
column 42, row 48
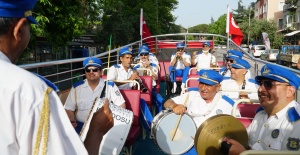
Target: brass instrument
column 139, row 80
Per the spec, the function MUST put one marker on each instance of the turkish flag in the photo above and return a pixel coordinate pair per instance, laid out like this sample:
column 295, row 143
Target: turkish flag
column 233, row 29
column 145, row 32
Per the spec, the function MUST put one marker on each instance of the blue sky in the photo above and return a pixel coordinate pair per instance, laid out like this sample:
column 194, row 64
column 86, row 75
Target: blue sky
column 193, row 12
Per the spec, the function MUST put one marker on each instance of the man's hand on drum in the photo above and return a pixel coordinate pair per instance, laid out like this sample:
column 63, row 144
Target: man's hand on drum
column 179, row 109
column 103, row 119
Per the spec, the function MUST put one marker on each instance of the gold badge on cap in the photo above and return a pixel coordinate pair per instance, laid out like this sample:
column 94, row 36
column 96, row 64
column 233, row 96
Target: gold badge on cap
column 27, row 13
column 204, row 75
column 234, row 61
column 266, row 70
column 91, row 61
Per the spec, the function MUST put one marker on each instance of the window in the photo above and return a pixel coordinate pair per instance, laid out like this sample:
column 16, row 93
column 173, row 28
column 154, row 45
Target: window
column 280, row 23
column 281, row 4
column 265, row 9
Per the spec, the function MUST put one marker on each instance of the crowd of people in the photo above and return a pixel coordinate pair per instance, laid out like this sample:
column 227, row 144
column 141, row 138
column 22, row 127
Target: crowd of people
column 36, row 121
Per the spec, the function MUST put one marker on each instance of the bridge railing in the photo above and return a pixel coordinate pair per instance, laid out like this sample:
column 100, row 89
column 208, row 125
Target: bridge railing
column 65, row 72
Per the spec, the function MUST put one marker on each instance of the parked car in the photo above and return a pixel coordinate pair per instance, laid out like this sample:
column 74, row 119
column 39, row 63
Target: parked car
column 245, row 48
column 269, row 54
column 256, row 50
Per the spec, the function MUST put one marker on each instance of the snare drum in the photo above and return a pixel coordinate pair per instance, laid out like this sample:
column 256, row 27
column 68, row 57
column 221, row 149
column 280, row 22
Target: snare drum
column 113, row 141
column 163, row 126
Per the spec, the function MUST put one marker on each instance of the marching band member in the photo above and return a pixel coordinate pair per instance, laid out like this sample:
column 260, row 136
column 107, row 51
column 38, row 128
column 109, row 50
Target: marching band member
column 204, row 103
column 123, row 71
column 205, row 59
column 146, row 63
column 238, row 69
column 83, row 93
column 275, row 125
column 180, row 66
column 231, row 55
column 28, row 103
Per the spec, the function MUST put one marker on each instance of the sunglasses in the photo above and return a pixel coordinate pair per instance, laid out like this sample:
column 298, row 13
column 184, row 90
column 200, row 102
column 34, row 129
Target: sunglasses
column 145, row 54
column 93, row 70
column 205, row 46
column 179, row 49
column 229, row 60
column 269, row 84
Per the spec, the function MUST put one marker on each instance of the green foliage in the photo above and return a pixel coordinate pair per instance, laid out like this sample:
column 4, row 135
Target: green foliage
column 202, row 28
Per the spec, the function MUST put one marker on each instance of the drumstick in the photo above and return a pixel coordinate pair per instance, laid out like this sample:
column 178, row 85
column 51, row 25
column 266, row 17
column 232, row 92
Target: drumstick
column 179, row 118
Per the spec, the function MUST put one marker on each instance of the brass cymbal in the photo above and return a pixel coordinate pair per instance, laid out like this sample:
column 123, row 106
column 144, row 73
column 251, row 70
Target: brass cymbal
column 209, row 135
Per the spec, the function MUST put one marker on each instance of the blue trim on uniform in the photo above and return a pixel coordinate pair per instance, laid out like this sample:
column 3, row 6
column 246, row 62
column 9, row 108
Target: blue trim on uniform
column 152, row 64
column 158, row 100
column 179, row 73
column 151, row 54
column 110, row 83
column 229, row 100
column 78, row 83
column 222, row 69
column 136, row 67
column 226, row 77
column 49, row 83
column 252, row 81
column 116, row 66
column 193, row 89
column 293, row 114
column 259, row 109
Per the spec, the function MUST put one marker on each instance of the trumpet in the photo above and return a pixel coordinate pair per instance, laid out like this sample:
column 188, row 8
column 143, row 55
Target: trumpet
column 179, row 58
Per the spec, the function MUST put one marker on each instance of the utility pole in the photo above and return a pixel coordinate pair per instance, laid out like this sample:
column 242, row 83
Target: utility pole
column 249, row 24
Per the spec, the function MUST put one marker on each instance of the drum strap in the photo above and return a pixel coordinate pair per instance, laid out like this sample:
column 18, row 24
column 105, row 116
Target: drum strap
column 103, row 91
column 214, row 103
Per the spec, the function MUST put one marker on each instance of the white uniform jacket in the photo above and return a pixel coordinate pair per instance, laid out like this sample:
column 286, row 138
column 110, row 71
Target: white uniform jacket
column 85, row 97
column 278, row 132
column 117, row 72
column 21, row 102
column 231, row 84
column 204, row 60
column 179, row 65
column 199, row 110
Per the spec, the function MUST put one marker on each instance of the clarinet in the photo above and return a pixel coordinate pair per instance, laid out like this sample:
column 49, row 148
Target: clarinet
column 139, row 80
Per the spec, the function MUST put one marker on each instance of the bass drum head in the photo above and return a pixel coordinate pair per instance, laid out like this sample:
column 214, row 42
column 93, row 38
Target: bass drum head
column 184, row 138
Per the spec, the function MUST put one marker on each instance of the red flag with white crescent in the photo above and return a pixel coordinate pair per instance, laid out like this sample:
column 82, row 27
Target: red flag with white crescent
column 233, row 29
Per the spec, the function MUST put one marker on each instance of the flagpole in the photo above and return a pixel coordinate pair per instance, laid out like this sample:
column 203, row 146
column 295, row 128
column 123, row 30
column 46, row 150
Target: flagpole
column 227, row 26
column 108, row 60
column 141, row 26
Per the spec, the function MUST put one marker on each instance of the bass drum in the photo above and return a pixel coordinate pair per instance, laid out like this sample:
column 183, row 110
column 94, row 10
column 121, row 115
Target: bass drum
column 114, row 140
column 163, row 126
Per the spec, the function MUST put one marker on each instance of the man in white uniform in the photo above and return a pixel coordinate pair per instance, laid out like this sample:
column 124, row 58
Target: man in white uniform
column 231, row 55
column 22, row 96
column 83, row 93
column 204, row 103
column 145, row 63
column 276, row 125
column 123, row 71
column 205, row 60
column 180, row 66
column 238, row 81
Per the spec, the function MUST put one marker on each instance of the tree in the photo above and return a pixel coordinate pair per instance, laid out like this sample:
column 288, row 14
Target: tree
column 259, row 26
column 201, row 28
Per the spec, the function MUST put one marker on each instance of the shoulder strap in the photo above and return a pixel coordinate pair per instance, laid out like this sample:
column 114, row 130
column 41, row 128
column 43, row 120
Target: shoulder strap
column 103, row 90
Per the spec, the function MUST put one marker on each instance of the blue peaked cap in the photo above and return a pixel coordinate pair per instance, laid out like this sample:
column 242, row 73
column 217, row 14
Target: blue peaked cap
column 125, row 50
column 92, row 61
column 180, row 45
column 144, row 49
column 234, row 54
column 279, row 74
column 206, row 43
column 210, row 77
column 18, row 9
column 240, row 63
